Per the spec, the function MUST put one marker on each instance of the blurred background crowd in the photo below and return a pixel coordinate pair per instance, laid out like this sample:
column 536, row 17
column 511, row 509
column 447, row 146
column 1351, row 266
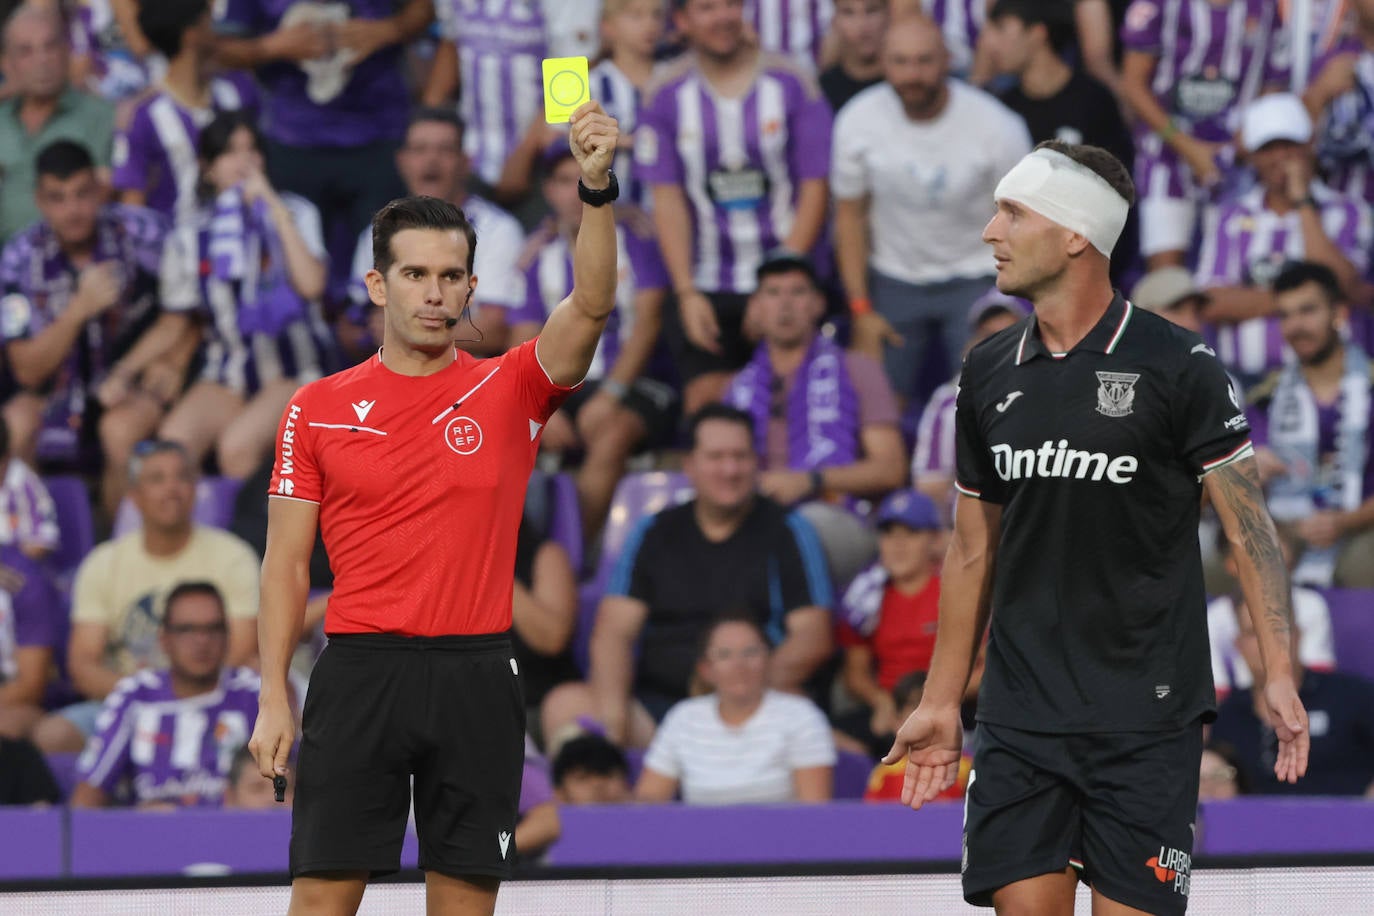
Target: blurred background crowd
column 728, row 575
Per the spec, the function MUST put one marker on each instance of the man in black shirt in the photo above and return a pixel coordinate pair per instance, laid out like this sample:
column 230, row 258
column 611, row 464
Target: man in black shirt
column 1086, row 435
column 729, row 549
column 857, row 31
column 1027, row 39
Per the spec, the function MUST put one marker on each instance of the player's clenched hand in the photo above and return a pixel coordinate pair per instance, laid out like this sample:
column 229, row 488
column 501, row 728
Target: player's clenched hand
column 273, row 735
column 932, row 742
column 593, row 141
column 1289, row 721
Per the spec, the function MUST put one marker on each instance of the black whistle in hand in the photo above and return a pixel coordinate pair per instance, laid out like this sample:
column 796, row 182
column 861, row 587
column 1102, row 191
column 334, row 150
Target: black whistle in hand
column 279, row 786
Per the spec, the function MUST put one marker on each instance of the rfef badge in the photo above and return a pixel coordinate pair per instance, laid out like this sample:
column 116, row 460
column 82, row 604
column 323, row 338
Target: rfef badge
column 566, row 88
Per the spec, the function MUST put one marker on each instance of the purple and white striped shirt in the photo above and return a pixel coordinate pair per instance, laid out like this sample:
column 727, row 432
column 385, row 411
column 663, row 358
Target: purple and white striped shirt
column 1345, row 140
column 157, row 152
column 30, row 616
column 548, row 269
column 621, row 99
column 1245, row 243
column 28, row 515
column 934, row 454
column 1211, row 59
column 792, row 28
column 170, row 749
column 500, row 46
column 961, row 22
column 739, row 161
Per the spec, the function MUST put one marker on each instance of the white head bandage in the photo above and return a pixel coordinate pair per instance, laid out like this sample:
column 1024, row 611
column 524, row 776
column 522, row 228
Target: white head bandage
column 1067, row 193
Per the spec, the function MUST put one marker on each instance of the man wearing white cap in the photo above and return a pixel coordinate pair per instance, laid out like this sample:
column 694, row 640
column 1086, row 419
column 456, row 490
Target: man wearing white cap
column 1288, row 215
column 1085, row 436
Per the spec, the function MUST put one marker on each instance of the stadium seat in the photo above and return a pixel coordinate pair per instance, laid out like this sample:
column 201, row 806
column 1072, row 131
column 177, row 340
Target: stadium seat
column 63, row 768
column 1352, row 629
column 76, row 527
column 565, row 518
column 636, row 496
column 851, row 774
column 214, row 505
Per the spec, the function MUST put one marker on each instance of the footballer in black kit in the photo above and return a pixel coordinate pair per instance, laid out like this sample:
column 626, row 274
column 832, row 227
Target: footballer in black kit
column 1086, row 435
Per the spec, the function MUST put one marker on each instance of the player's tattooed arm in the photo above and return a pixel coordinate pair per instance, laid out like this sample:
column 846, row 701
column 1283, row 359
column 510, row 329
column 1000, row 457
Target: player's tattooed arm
column 1236, row 494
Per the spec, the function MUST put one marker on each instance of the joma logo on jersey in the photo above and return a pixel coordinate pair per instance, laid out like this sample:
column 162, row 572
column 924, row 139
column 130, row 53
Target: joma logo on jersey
column 286, row 487
column 1058, row 460
column 1172, row 866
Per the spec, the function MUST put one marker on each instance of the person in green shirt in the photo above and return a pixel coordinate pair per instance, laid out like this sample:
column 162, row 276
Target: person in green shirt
column 44, row 107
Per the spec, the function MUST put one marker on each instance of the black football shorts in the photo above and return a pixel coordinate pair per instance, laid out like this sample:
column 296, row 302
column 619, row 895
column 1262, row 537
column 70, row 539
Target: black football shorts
column 447, row 712
column 1119, row 807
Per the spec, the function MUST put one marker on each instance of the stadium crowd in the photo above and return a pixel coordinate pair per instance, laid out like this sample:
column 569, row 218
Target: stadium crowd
column 728, row 575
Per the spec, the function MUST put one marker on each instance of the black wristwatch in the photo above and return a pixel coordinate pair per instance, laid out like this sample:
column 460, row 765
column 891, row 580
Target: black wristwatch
column 1309, row 201
column 817, row 484
column 602, row 197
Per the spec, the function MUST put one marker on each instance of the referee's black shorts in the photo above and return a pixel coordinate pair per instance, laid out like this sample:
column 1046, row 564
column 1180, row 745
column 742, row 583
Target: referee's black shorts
column 1118, row 806
column 381, row 709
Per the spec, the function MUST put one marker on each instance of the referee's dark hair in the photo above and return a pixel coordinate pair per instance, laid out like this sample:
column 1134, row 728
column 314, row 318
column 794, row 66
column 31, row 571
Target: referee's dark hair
column 1109, row 168
column 718, row 412
column 164, row 22
column 1300, row 273
column 1053, row 16
column 185, row 589
column 61, row 159
column 589, row 753
column 416, row 213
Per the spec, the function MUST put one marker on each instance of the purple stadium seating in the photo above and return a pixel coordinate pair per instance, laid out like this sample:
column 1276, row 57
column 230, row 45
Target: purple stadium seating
column 214, row 505
column 851, row 774
column 76, row 527
column 1352, row 629
column 636, row 496
column 63, row 767
column 565, row 519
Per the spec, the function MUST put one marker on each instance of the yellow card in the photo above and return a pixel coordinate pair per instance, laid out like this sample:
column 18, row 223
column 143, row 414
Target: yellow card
column 565, row 88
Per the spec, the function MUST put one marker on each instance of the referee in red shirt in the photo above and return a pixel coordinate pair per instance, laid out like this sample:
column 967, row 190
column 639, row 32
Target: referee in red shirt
column 413, row 465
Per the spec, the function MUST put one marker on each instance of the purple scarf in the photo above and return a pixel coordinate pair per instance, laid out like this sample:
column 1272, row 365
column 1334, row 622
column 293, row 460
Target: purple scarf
column 239, row 237
column 822, row 410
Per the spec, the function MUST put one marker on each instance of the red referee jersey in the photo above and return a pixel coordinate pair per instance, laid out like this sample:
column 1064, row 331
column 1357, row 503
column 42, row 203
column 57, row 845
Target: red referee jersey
column 421, row 485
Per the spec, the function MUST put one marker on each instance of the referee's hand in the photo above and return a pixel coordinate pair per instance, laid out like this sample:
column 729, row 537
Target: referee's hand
column 273, row 735
column 932, row 742
column 1289, row 720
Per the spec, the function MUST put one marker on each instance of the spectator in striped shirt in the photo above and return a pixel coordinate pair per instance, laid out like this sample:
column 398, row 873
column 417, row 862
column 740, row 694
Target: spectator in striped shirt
column 95, row 317
column 28, row 516
column 31, row 634
column 1341, row 99
column 490, row 53
column 167, row 738
column 618, row 409
column 1289, row 215
column 932, row 463
column 743, row 743
column 792, row 28
column 736, row 145
column 1190, row 68
column 155, row 163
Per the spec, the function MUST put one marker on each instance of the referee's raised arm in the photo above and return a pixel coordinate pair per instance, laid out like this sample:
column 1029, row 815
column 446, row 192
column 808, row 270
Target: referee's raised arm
column 570, row 336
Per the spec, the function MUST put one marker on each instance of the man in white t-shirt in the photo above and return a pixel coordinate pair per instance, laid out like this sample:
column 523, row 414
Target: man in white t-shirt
column 121, row 587
column 915, row 161
column 744, row 743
